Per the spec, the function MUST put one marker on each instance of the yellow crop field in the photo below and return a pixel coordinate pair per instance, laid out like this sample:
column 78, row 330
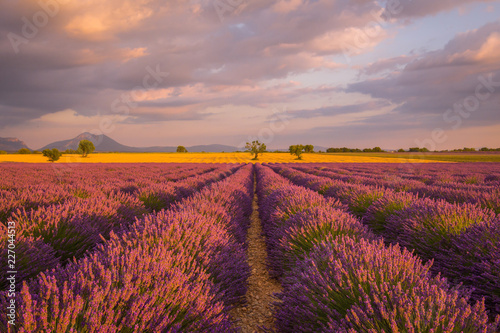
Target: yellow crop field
column 206, row 158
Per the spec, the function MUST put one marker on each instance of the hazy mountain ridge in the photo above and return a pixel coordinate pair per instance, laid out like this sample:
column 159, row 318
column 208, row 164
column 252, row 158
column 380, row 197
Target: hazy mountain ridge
column 104, row 143
column 11, row 144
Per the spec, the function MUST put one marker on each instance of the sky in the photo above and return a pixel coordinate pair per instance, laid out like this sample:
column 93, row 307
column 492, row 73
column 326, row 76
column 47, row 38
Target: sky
column 332, row 73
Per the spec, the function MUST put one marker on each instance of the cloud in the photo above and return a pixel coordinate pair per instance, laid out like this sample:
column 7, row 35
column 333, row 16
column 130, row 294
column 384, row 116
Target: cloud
column 391, row 64
column 401, row 9
column 72, row 118
column 90, row 52
column 435, row 82
column 329, row 111
column 286, row 6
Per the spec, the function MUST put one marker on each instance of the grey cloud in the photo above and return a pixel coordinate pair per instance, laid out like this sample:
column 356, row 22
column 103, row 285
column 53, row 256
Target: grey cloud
column 391, row 64
column 419, row 8
column 436, row 81
column 58, row 70
column 336, row 110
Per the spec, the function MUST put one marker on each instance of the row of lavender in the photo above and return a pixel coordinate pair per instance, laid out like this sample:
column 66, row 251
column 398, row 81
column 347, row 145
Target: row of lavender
column 177, row 270
column 443, row 174
column 474, row 183
column 337, row 276
column 462, row 239
column 49, row 234
column 33, row 186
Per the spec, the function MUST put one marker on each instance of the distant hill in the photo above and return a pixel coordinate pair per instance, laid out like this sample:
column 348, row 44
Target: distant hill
column 212, row 148
column 11, row 144
column 104, row 143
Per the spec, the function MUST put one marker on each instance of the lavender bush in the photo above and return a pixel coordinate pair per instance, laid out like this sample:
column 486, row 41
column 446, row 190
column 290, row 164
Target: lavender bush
column 178, row 270
column 349, row 285
column 473, row 258
column 426, row 226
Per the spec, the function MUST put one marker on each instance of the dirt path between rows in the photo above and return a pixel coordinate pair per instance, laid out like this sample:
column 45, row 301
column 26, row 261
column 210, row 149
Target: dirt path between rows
column 258, row 312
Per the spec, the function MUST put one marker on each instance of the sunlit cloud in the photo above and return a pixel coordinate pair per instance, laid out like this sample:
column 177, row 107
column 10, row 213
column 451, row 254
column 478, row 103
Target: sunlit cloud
column 330, row 63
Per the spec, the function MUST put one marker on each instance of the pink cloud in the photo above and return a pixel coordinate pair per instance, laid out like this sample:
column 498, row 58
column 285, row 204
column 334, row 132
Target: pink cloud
column 420, row 8
column 286, row 6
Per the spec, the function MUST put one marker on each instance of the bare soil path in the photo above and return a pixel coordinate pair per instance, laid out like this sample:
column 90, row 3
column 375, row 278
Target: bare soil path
column 257, row 314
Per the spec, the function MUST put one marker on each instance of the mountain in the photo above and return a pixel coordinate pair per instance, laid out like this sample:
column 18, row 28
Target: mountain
column 11, row 144
column 212, row 148
column 104, row 143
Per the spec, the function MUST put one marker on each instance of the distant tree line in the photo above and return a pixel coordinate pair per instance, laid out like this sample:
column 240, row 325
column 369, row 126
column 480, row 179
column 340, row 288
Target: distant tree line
column 343, row 150
column 354, row 150
column 401, row 150
column 417, row 150
column 489, row 149
column 474, row 149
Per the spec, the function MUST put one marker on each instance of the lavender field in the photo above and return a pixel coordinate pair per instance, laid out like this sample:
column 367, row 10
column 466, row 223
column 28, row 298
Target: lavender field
column 164, row 247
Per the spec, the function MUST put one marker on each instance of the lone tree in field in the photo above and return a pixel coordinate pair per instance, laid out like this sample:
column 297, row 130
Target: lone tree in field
column 297, row 150
column 85, row 147
column 182, row 149
column 308, row 149
column 256, row 148
column 52, row 154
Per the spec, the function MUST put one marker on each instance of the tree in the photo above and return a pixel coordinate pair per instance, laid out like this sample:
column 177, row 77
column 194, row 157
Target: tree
column 308, row 149
column 181, row 149
column 85, row 147
column 256, row 148
column 24, row 151
column 297, row 150
column 52, row 154
column 3, row 152
column 377, row 150
column 401, row 150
